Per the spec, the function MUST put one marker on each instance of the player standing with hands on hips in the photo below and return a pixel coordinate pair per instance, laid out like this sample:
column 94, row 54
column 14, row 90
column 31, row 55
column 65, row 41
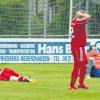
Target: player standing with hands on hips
column 78, row 28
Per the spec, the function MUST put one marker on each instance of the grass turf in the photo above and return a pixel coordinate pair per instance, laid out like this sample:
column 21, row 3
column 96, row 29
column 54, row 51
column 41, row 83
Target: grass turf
column 52, row 84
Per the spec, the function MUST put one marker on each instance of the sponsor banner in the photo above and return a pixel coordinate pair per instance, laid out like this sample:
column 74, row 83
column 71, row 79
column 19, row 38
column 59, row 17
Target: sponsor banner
column 38, row 50
column 36, row 58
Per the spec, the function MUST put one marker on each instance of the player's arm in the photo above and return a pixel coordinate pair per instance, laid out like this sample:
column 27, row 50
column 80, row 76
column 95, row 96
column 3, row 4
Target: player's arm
column 82, row 16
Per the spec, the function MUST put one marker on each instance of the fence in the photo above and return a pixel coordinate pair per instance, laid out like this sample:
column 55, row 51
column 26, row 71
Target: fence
column 93, row 8
column 45, row 18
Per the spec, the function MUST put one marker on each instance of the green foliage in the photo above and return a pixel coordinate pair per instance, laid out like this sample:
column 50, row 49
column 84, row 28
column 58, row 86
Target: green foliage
column 10, row 2
column 94, row 22
column 7, row 2
column 61, row 18
column 38, row 24
column 12, row 19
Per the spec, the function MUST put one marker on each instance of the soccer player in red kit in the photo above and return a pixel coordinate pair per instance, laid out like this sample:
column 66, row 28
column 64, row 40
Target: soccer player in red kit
column 8, row 74
column 78, row 28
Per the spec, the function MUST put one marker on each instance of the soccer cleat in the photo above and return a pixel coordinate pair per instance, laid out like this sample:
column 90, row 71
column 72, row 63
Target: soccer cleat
column 72, row 88
column 28, row 79
column 83, row 86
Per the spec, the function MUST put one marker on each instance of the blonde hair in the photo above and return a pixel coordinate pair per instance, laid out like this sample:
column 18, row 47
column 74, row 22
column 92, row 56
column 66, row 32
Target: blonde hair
column 82, row 11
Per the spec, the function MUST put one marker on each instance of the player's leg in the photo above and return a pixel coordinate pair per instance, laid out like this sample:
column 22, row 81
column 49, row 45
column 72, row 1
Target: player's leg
column 15, row 78
column 91, row 63
column 83, row 67
column 20, row 78
column 8, row 74
column 82, row 77
column 74, row 76
column 14, row 75
column 75, row 71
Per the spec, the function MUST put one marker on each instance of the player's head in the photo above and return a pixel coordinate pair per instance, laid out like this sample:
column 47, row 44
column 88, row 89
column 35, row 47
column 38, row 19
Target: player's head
column 77, row 14
column 92, row 48
column 82, row 11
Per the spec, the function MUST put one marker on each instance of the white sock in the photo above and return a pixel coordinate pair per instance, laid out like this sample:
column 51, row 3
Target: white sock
column 14, row 78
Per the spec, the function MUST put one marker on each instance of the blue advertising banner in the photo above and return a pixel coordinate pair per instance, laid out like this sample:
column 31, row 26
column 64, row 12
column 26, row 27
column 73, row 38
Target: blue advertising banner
column 35, row 51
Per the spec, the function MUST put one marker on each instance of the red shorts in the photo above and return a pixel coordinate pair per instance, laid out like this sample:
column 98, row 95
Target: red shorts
column 79, row 54
column 7, row 73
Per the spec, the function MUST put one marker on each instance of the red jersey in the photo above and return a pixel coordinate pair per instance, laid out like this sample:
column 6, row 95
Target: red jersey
column 78, row 29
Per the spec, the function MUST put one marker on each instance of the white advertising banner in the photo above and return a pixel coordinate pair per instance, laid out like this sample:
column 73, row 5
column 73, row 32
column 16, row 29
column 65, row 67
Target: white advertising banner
column 38, row 50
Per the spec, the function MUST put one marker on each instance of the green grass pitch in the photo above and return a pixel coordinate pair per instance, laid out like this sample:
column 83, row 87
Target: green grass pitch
column 52, row 84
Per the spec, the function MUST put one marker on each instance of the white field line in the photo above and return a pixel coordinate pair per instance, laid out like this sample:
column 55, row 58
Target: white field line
column 52, row 88
column 48, row 76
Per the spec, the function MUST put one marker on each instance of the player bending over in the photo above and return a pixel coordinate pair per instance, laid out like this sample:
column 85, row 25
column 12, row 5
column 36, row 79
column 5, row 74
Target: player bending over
column 78, row 28
column 8, row 74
